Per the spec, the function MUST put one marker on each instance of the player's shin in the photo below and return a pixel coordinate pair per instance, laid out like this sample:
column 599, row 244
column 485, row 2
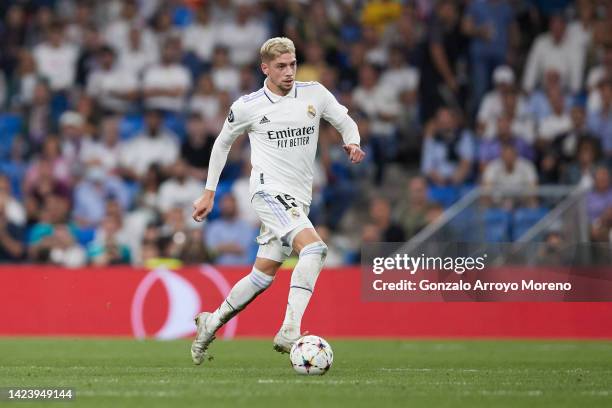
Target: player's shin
column 243, row 292
column 303, row 281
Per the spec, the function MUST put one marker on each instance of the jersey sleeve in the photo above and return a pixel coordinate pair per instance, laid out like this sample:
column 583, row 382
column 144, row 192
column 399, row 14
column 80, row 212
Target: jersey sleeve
column 337, row 115
column 237, row 123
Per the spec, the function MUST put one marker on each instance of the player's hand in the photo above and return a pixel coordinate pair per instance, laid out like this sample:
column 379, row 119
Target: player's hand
column 203, row 205
column 354, row 152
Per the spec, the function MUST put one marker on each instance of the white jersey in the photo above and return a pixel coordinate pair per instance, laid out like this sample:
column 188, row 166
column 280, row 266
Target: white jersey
column 283, row 131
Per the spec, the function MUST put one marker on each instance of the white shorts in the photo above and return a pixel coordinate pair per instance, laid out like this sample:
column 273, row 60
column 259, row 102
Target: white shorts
column 282, row 218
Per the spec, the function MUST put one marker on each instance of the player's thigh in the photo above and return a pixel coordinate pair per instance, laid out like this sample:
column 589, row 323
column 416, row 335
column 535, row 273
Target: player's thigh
column 305, row 237
column 282, row 218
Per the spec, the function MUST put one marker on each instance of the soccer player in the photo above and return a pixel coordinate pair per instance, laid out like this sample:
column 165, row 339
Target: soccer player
column 282, row 120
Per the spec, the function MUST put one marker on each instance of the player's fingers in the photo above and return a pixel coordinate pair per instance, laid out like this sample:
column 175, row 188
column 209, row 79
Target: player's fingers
column 198, row 215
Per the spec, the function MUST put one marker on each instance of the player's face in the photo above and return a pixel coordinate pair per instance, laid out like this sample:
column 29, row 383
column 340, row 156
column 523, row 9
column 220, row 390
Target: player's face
column 281, row 72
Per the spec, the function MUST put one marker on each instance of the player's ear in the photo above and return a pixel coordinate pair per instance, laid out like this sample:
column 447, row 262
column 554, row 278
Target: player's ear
column 264, row 68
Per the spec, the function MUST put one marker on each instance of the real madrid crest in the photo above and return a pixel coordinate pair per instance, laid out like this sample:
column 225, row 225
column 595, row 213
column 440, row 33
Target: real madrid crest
column 295, row 213
column 312, row 112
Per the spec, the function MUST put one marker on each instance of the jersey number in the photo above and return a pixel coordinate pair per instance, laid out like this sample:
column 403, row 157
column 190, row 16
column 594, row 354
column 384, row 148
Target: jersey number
column 287, row 201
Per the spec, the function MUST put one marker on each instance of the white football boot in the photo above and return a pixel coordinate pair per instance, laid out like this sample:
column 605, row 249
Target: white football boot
column 204, row 337
column 284, row 340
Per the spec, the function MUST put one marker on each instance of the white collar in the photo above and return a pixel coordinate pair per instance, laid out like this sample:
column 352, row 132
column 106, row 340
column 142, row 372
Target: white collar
column 274, row 97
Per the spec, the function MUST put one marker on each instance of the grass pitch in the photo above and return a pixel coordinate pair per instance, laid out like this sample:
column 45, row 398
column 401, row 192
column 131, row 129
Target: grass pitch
column 365, row 373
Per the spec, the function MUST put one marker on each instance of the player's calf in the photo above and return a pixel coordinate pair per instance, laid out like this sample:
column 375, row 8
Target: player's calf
column 303, row 279
column 243, row 292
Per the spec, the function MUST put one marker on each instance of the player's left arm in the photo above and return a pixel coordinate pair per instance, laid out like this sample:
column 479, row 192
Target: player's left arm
column 338, row 116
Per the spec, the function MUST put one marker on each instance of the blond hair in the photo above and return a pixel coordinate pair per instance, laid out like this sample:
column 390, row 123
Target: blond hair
column 276, row 46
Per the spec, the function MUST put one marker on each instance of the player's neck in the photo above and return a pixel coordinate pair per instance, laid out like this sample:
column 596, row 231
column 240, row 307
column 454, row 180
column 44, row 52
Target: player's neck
column 275, row 89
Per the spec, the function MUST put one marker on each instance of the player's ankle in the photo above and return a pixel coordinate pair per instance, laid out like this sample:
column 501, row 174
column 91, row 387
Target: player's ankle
column 290, row 330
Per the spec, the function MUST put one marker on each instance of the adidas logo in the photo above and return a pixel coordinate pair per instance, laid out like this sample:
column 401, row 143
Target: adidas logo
column 264, row 120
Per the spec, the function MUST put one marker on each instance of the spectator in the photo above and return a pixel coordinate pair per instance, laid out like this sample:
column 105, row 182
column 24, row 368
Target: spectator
column 165, row 85
column 180, row 190
column 565, row 145
column 73, row 136
column 205, row 99
column 580, row 30
column 599, row 200
column 514, row 107
column 87, row 62
column 12, row 237
column 92, row 193
column 492, row 106
column 440, row 83
column 557, row 123
column 53, row 238
column 108, row 248
column 314, row 63
column 399, row 76
column 25, row 79
column 137, row 56
column 200, row 38
column 243, row 35
column 197, row 147
column 225, row 76
column 493, row 32
column 378, row 103
column 50, row 164
column 230, row 237
column 64, row 250
column 56, row 59
column 195, row 250
column 105, row 151
column 380, row 215
column 155, row 145
column 510, row 172
column 114, row 89
column 582, row 170
column 414, row 207
column 12, row 210
column 600, row 122
column 598, row 74
column 448, row 151
column 554, row 50
column 117, row 33
column 491, row 149
column 13, row 33
column 38, row 116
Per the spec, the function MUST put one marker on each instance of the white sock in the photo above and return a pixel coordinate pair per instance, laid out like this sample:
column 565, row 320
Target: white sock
column 243, row 292
column 303, row 281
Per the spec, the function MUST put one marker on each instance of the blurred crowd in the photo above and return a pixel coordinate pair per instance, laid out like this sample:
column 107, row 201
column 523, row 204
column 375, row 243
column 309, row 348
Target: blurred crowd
column 109, row 110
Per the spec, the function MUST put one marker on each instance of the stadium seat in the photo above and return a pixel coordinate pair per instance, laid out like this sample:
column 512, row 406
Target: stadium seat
column 524, row 219
column 497, row 225
column 130, row 125
column 84, row 235
column 445, row 196
column 10, row 126
column 223, row 188
column 176, row 123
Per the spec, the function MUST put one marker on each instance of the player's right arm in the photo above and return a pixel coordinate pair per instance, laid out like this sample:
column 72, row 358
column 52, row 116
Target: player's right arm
column 235, row 125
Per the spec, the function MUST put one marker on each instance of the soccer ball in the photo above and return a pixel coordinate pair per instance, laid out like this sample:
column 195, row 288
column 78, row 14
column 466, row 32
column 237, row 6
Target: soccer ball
column 311, row 355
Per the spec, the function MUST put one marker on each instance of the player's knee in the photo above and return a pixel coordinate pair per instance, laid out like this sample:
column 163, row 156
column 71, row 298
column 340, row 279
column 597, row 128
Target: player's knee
column 315, row 249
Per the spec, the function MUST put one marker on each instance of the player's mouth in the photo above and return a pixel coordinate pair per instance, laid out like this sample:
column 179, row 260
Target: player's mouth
column 288, row 82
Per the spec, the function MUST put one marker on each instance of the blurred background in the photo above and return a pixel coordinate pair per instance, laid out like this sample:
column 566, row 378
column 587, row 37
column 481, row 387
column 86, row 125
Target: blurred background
column 483, row 120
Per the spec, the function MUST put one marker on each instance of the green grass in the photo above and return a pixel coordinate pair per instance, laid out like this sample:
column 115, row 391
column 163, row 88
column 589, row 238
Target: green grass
column 365, row 373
